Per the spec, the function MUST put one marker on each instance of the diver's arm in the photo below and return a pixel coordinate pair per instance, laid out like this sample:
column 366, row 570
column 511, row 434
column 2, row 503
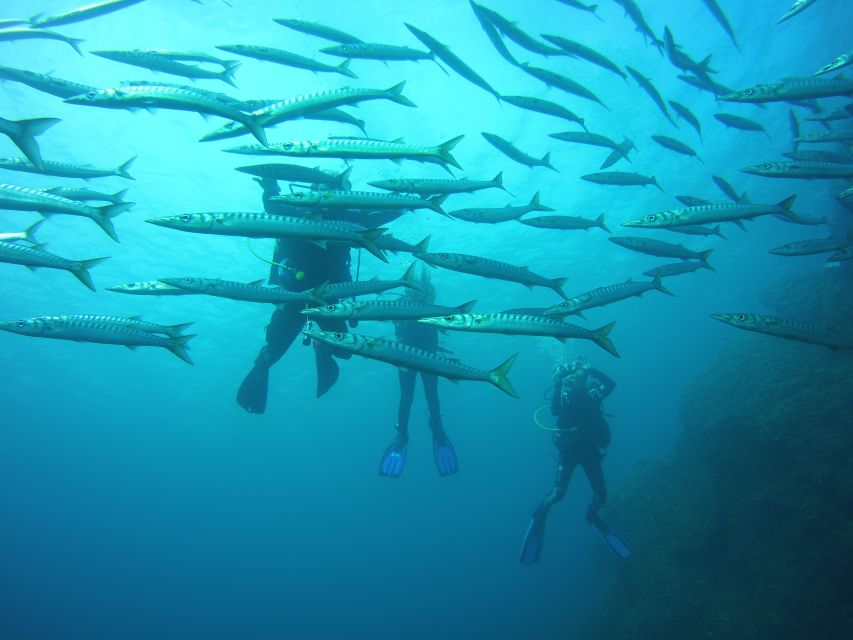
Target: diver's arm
column 557, row 398
column 604, row 379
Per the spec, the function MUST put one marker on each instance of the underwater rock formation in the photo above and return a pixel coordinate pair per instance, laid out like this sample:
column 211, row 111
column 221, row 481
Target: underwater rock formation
column 746, row 531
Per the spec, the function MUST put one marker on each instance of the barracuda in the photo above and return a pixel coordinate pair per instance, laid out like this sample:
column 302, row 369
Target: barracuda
column 677, row 146
column 524, row 325
column 687, row 115
column 46, row 82
column 83, row 13
column 404, row 309
column 602, row 296
column 744, row 124
column 661, row 249
column 355, row 288
column 544, row 106
column 243, row 291
column 652, row 92
column 621, row 178
column 514, row 153
column 280, row 56
column 793, row 89
column 377, row 51
column 171, row 64
column 807, row 170
column 619, row 149
column 27, row 235
column 149, row 288
column 82, row 194
column 310, row 105
column 820, row 138
column 563, row 83
column 813, row 246
column 704, row 214
column 487, row 268
column 573, row 48
column 408, row 357
column 132, row 322
column 838, row 63
column 499, row 214
column 25, row 33
column 169, row 97
column 789, row 329
column 298, row 173
column 335, row 199
column 263, row 225
column 675, row 269
column 36, row 257
column 427, row 186
column 317, row 29
column 358, row 148
column 512, row 31
column 23, row 199
column 565, row 222
column 67, row 169
column 97, row 329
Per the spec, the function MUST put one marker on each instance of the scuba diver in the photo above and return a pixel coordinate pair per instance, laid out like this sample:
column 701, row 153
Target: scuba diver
column 422, row 336
column 297, row 265
column 581, row 436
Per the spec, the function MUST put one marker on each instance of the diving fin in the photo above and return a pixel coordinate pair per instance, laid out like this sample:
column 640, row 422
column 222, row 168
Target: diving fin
column 612, row 539
column 394, row 458
column 445, row 455
column 533, row 539
column 252, row 394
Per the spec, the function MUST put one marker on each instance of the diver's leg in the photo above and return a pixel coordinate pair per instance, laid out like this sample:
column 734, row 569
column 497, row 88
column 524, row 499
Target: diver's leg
column 442, row 449
column 327, row 368
column 533, row 539
column 394, row 457
column 591, row 463
column 284, row 326
column 566, row 464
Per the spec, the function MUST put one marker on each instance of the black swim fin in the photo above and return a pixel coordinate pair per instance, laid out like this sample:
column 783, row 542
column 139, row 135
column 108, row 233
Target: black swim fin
column 612, row 539
column 445, row 455
column 327, row 368
column 252, row 394
column 533, row 539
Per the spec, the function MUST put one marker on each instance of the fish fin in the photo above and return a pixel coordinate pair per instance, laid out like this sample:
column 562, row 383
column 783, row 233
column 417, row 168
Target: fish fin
column 704, row 258
column 498, row 376
column 257, row 283
column 786, row 206
column 178, row 346
column 228, row 74
column 343, row 178
column 132, row 347
column 557, row 285
column 343, row 68
column 466, row 307
column 718, row 232
column 658, row 282
column 81, row 272
column 600, row 336
column 408, row 279
column 75, row 44
column 600, row 222
column 366, row 240
column 546, row 162
column 444, row 151
column 423, row 245
column 435, row 203
column 26, row 138
column 122, row 170
column 29, row 232
column 177, row 329
column 498, row 181
column 257, row 129
column 395, row 94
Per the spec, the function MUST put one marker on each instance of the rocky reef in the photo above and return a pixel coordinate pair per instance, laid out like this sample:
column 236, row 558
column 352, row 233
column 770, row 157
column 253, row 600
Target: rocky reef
column 746, row 531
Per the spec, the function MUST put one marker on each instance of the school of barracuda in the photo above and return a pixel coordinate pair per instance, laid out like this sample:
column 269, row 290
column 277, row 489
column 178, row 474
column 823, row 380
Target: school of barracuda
column 820, row 99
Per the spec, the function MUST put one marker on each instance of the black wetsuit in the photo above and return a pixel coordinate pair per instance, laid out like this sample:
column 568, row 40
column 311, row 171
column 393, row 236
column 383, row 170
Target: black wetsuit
column 583, row 433
column 425, row 337
column 308, row 266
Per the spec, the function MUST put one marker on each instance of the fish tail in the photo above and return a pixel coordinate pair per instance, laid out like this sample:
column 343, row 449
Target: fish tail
column 435, row 203
column 786, row 205
column 423, row 245
column 600, row 222
column 658, row 282
column 498, row 376
column 174, row 330
column 178, row 346
column 704, row 258
column 718, row 232
column 444, row 150
column 535, row 205
column 600, row 337
column 466, row 307
column 408, row 279
column 557, row 285
column 655, row 182
column 343, row 179
column 498, row 181
column 395, row 94
column 546, row 162
column 366, row 240
column 122, row 170
column 343, row 68
column 318, row 293
column 256, row 128
column 26, row 138
column 118, row 196
column 75, row 44
column 29, row 232
column 228, row 74
column 81, row 271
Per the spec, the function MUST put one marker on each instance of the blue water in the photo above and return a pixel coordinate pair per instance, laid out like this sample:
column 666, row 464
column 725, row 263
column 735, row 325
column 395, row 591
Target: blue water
column 137, row 500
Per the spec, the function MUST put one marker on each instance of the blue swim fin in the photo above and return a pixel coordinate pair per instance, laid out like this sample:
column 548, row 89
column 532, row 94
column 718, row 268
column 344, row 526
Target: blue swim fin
column 394, row 458
column 533, row 539
column 612, row 539
column 445, row 455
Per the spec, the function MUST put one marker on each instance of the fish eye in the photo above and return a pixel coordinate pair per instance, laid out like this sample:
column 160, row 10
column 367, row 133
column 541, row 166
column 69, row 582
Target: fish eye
column 740, row 317
column 448, row 318
column 339, row 336
column 188, row 280
column 92, row 94
column 748, row 92
column 330, row 307
column 21, row 324
column 288, row 145
column 443, row 256
column 650, row 217
column 185, row 217
column 298, row 194
column 766, row 165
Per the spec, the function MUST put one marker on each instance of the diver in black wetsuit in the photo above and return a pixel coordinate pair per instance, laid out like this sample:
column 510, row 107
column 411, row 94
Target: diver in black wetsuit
column 581, row 436
column 424, row 337
column 300, row 265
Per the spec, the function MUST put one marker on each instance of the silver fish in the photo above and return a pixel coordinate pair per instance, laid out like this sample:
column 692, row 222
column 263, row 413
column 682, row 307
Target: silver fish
column 23, row 133
column 565, row 222
column 499, row 214
column 660, row 248
column 67, row 169
column 602, row 296
column 789, row 329
column 403, row 309
column 243, row 291
column 36, row 257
